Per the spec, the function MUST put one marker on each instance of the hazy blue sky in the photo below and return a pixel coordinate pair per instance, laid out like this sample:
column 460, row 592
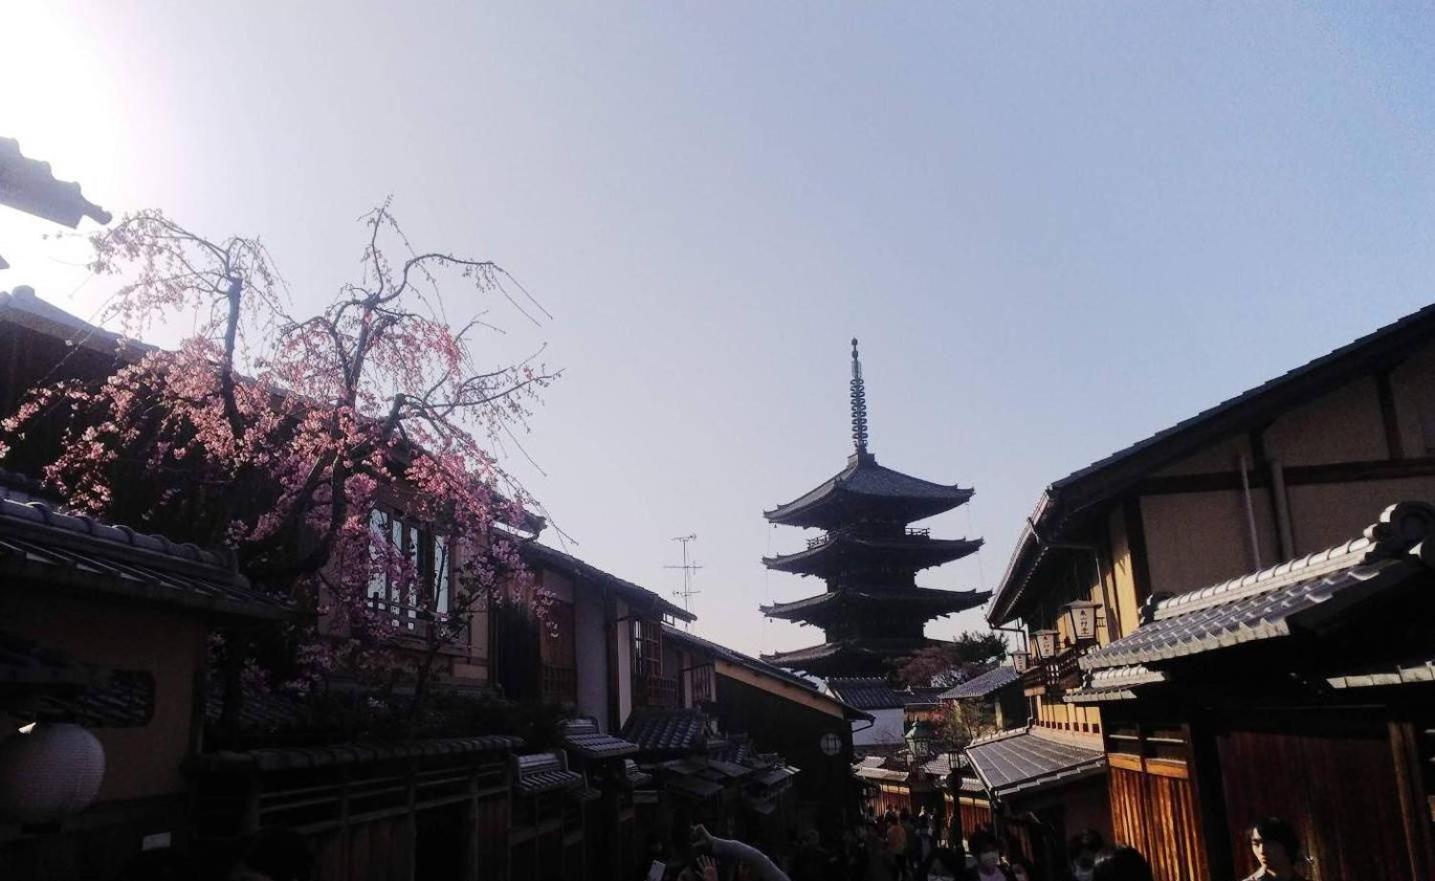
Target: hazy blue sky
column 1056, row 228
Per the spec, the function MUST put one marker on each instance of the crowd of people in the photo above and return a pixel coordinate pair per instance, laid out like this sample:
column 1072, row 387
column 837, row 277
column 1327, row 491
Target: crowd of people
column 897, row 846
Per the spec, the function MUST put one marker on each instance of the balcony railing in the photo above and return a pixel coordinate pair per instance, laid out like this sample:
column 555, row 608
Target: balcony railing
column 413, row 621
column 654, row 691
column 1055, row 675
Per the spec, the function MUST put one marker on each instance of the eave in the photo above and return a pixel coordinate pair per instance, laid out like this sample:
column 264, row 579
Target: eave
column 934, row 602
column 916, row 552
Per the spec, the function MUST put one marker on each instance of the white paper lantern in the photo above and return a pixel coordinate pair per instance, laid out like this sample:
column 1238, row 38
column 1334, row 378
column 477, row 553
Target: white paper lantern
column 50, row 773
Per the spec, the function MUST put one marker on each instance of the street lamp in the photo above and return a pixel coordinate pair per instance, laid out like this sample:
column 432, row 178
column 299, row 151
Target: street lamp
column 919, row 739
column 1021, row 660
column 1081, row 615
column 1045, row 641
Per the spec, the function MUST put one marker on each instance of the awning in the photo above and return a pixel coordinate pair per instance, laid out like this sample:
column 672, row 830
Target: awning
column 693, row 787
column 1113, row 684
column 1027, row 760
column 882, row 775
column 1311, row 592
column 1421, row 673
column 583, row 737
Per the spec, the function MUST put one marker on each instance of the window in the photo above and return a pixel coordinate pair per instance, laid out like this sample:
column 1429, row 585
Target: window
column 647, row 648
column 430, row 560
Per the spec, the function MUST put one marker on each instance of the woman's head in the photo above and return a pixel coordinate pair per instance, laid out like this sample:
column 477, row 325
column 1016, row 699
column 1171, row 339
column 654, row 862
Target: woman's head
column 986, row 849
column 1275, row 845
column 1081, row 851
column 1121, row 864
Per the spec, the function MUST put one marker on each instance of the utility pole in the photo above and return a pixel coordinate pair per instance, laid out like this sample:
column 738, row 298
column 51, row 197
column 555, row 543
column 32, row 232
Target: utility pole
column 688, row 567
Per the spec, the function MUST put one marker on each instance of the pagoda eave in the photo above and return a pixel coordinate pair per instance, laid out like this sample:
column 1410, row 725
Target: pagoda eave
column 866, row 490
column 921, row 601
column 828, row 556
column 848, row 657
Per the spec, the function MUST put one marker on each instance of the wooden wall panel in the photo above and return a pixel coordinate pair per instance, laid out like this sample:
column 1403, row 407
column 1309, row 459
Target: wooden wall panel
column 1156, row 814
column 1339, row 791
column 974, row 816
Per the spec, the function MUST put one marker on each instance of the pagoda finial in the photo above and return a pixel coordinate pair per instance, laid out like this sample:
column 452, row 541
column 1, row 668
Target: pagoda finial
column 859, row 402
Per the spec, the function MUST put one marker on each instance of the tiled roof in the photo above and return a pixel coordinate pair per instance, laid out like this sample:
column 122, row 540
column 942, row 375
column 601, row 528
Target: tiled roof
column 276, row 759
column 124, row 700
column 840, row 656
column 882, row 775
column 667, row 730
column 985, row 684
column 537, row 773
column 1418, row 673
column 693, row 787
column 1113, row 684
column 1024, row 760
column 921, row 599
column 38, row 543
column 28, row 185
column 534, row 552
column 1266, row 604
column 1106, row 477
column 637, row 778
column 867, row 481
column 261, row 710
column 877, row 693
column 908, row 551
column 583, row 737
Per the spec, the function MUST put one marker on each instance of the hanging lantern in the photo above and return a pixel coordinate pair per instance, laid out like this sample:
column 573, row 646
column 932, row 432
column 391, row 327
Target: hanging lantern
column 1081, row 615
column 1021, row 661
column 1045, row 641
column 50, row 773
column 830, row 743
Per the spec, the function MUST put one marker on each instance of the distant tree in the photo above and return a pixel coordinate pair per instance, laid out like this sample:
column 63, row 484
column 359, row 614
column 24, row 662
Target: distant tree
column 948, row 663
column 274, row 433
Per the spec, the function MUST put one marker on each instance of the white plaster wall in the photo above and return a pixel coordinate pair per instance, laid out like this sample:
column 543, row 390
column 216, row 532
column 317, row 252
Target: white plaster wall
column 591, row 653
column 886, row 729
column 623, row 638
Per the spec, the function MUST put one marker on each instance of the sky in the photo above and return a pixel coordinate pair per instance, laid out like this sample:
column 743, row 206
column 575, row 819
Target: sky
column 1056, row 228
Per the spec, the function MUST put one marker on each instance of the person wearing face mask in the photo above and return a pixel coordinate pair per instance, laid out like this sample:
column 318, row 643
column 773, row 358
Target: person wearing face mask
column 1277, row 850
column 943, row 864
column 1081, row 854
column 989, row 865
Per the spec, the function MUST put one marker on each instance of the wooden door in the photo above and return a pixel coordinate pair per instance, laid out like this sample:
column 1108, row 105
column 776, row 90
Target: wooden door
column 1156, row 813
column 1334, row 781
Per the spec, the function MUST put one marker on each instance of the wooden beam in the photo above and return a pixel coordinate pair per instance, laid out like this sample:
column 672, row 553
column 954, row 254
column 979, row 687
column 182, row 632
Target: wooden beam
column 1393, row 445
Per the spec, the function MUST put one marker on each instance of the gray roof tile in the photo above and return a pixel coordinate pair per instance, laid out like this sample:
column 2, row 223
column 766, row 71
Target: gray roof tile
column 1024, row 760
column 987, row 683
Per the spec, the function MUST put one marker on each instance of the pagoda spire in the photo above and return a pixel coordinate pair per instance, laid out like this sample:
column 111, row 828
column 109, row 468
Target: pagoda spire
column 859, row 403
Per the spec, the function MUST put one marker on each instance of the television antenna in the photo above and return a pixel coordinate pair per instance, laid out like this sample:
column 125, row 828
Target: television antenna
column 689, row 567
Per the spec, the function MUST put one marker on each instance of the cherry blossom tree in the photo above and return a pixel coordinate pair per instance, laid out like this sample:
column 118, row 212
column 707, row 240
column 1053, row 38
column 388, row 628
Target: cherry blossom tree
column 276, row 434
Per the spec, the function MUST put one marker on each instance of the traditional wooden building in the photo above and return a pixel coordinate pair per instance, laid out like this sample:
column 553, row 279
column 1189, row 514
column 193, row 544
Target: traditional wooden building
column 1287, row 469
column 1305, row 690
column 872, row 611
column 783, row 714
column 106, row 628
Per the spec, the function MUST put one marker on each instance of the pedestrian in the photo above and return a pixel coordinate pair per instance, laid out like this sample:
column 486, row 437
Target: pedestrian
column 897, row 847
column 1121, row 863
column 943, row 864
column 1277, row 850
column 1081, row 853
column 745, row 855
column 989, row 865
column 1022, row 869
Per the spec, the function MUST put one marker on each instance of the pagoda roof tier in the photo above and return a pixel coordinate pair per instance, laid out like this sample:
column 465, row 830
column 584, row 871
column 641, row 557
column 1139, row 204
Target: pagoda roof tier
column 866, row 490
column 924, row 602
column 838, row 551
column 849, row 657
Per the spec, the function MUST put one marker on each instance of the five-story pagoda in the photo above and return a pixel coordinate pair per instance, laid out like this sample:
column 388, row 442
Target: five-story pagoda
column 873, row 612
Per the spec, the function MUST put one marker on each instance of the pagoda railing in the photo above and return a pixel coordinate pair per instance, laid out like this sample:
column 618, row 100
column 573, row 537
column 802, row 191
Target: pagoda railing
column 909, row 532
